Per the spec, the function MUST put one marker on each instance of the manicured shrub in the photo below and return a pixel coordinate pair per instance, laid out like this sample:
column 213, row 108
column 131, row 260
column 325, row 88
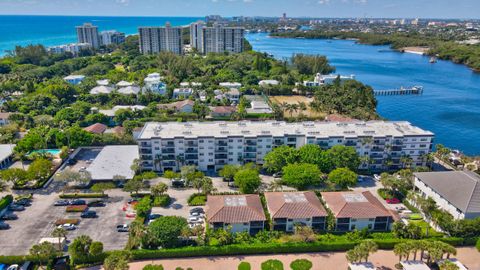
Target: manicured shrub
column 244, row 266
column 82, row 195
column 272, row 265
column 67, row 220
column 197, row 199
column 162, row 201
column 415, row 216
column 5, row 201
column 301, row 264
column 153, row 267
column 76, row 208
column 478, row 245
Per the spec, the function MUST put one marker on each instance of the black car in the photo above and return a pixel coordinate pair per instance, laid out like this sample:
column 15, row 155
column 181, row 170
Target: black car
column 197, row 210
column 61, row 203
column 89, row 214
column 4, row 226
column 24, row 202
column 178, row 183
column 16, row 207
column 154, row 216
column 96, row 204
column 9, row 217
column 122, row 228
column 78, row 202
column 130, row 201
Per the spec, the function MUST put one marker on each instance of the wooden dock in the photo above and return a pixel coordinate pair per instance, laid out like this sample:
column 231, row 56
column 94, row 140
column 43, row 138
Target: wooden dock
column 415, row 90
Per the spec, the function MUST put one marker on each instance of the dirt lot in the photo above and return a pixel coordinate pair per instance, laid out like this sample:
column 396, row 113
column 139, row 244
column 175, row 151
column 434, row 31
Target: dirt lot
column 295, row 100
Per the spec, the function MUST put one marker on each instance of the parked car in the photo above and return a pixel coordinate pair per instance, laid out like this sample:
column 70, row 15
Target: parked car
column 196, row 214
column 16, row 207
column 277, row 175
column 195, row 219
column 193, row 225
column 61, row 203
column 122, row 228
column 376, row 177
column 89, row 214
column 154, row 216
column 4, row 226
column 13, row 267
column 9, row 216
column 178, row 183
column 96, row 204
column 78, row 202
column 197, row 210
column 24, row 202
column 72, row 161
column 130, row 201
column 67, row 226
column 392, row 201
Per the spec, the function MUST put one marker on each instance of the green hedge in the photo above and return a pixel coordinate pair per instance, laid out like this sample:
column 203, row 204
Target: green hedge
column 244, row 266
column 272, row 265
column 478, row 245
column 82, row 195
column 162, row 201
column 9, row 260
column 301, row 264
column 5, row 201
column 197, row 199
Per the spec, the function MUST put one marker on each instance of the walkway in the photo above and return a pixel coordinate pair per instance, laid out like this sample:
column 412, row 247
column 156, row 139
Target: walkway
column 382, row 259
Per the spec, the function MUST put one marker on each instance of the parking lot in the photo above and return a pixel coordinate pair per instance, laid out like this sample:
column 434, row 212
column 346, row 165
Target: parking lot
column 83, row 158
column 37, row 221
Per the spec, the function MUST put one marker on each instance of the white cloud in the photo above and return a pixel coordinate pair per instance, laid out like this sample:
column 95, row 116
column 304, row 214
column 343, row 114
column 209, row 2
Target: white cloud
column 324, row 2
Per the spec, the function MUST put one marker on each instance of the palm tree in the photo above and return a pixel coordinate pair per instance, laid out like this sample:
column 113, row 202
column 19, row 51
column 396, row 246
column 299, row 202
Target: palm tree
column 406, row 161
column 60, row 233
column 423, row 245
column 158, row 162
column 448, row 265
column 353, row 255
column 291, row 108
column 401, row 250
column 276, row 185
column 368, row 246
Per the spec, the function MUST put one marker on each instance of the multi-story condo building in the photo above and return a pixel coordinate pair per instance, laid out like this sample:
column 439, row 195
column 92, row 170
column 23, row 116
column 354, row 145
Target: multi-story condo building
column 196, row 35
column 210, row 145
column 160, row 39
column 219, row 39
column 111, row 37
column 88, row 33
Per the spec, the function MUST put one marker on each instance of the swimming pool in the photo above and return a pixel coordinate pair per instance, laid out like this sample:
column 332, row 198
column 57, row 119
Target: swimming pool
column 53, row 152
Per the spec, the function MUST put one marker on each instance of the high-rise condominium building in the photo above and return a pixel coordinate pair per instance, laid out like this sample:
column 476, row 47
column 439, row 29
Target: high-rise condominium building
column 219, row 39
column 196, row 35
column 160, row 39
column 211, row 145
column 111, row 37
column 88, row 33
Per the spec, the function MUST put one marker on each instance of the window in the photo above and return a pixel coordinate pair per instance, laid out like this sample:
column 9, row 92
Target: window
column 201, row 141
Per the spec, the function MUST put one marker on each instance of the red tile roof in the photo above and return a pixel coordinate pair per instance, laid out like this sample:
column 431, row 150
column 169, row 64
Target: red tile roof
column 96, row 128
column 355, row 205
column 294, row 205
column 234, row 208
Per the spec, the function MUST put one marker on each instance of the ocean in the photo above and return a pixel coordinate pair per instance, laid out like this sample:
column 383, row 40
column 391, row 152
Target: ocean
column 57, row 30
column 449, row 107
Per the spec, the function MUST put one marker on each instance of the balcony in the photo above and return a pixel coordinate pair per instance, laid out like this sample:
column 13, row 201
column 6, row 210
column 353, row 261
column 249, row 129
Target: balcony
column 376, row 156
column 377, row 149
column 168, row 150
column 169, row 164
column 351, row 144
column 221, row 162
column 190, row 157
column 250, row 155
column 168, row 144
column 222, row 143
column 191, row 151
column 191, row 144
column 221, row 150
column 250, row 149
column 145, row 144
column 251, row 143
column 145, row 151
column 221, row 156
column 168, row 157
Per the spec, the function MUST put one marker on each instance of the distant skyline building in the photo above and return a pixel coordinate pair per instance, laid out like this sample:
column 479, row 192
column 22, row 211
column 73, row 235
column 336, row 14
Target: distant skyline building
column 160, row 39
column 88, row 33
column 111, row 37
column 219, row 39
column 196, row 35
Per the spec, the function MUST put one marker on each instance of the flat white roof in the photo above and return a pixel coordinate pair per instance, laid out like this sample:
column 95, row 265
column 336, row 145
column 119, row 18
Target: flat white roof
column 114, row 160
column 414, row 265
column 6, row 150
column 279, row 129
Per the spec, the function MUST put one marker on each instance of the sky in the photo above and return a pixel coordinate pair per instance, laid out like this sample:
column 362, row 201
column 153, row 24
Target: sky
column 269, row 8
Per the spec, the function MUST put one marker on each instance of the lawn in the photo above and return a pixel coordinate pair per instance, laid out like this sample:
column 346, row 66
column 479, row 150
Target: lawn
column 426, row 227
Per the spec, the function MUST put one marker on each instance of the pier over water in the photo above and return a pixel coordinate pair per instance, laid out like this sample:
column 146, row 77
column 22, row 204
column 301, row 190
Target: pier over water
column 415, row 90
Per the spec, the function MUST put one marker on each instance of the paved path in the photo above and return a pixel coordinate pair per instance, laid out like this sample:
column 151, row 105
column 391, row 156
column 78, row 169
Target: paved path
column 382, row 259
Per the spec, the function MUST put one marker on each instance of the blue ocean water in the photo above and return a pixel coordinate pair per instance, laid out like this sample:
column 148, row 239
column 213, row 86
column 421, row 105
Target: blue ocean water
column 56, row 30
column 449, row 107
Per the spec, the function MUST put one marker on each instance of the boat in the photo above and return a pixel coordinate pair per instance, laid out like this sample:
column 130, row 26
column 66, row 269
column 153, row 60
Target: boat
column 433, row 60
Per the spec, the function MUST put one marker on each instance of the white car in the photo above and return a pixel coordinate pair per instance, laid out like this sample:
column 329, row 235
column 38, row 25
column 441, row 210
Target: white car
column 376, row 177
column 196, row 214
column 13, row 267
column 67, row 226
column 195, row 219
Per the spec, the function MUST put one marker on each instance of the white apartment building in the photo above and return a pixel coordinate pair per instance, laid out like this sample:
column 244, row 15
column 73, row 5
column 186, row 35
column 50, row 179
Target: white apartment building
column 211, row 145
column 219, row 39
column 73, row 48
column 160, row 39
column 457, row 192
column 153, row 82
column 196, row 35
column 111, row 37
column 321, row 79
column 182, row 93
column 88, row 33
